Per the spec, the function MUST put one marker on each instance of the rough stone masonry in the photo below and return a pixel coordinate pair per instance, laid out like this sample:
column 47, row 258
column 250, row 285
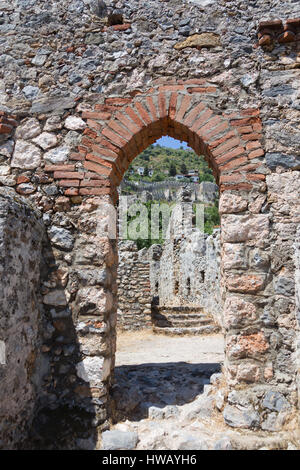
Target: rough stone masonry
column 84, row 88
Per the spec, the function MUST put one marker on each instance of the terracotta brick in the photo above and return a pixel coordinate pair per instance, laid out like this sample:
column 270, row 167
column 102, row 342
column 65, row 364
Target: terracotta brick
column 117, row 101
column 90, row 175
column 192, row 81
column 92, row 183
column 193, row 114
column 202, row 120
column 208, row 89
column 106, row 108
column 245, row 129
column 68, row 175
column 108, row 145
column 141, row 111
column 121, row 27
column 81, row 149
column 95, row 191
column 233, row 164
column 184, row 106
column 173, row 105
column 222, row 139
column 152, row 108
column 114, row 138
column 252, row 136
column 233, row 178
column 256, row 177
column 22, row 179
column 210, row 124
column 251, row 166
column 96, row 115
column 135, row 117
column 128, row 123
column 221, row 128
column 171, row 88
column 257, row 127
column 253, row 145
column 99, row 169
column 256, row 153
column 101, row 161
column 236, row 187
column 77, row 156
column 119, row 129
column 229, row 155
column 85, row 141
column 105, row 152
column 244, row 122
column 71, row 192
column 49, row 168
column 250, row 112
column 162, row 105
column 68, row 183
column 93, row 124
column 4, row 129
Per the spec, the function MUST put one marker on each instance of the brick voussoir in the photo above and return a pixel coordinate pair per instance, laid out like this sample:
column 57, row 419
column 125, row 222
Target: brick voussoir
column 201, row 120
column 127, row 123
column 238, row 151
column 120, row 129
column 140, row 110
column 183, row 108
column 115, row 139
column 193, row 114
column 226, row 146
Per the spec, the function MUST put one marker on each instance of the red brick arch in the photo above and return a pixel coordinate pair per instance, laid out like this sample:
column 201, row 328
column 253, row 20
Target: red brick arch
column 121, row 128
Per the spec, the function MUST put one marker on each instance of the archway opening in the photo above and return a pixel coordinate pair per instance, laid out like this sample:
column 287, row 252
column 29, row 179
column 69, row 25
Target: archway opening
column 169, row 342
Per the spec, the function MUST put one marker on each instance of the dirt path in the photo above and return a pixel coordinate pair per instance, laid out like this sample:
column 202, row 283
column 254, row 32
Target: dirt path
column 144, row 347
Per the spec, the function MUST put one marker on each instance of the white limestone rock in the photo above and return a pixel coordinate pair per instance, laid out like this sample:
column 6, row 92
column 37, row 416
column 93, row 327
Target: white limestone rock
column 93, row 370
column 26, row 156
column 46, row 140
column 57, row 155
column 29, row 129
column 74, row 123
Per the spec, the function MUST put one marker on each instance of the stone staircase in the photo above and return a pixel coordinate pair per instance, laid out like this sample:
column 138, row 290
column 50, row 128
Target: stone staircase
column 182, row 320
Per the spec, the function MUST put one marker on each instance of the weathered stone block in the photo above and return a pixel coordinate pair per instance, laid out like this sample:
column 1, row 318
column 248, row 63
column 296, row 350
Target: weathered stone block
column 245, row 418
column 242, row 228
column 238, row 312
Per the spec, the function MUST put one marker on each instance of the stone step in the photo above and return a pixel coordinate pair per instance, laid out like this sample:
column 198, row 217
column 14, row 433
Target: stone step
column 172, row 331
column 181, row 316
column 183, row 309
column 186, row 322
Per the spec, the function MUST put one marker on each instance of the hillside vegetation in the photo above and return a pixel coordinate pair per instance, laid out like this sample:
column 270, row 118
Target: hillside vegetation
column 167, row 162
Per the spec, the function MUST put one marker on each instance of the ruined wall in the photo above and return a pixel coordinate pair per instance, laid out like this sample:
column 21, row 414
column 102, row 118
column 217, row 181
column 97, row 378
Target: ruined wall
column 67, row 77
column 21, row 369
column 297, row 289
column 212, row 300
column 134, row 292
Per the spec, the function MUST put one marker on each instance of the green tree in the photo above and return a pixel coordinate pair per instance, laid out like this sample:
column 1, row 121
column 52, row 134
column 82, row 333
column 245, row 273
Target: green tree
column 172, row 170
column 183, row 168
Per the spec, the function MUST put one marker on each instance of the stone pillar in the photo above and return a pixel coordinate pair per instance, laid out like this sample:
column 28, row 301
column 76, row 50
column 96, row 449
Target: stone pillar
column 259, row 368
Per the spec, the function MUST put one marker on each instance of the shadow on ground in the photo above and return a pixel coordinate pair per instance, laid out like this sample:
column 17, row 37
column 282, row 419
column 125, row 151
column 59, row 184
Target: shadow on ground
column 138, row 387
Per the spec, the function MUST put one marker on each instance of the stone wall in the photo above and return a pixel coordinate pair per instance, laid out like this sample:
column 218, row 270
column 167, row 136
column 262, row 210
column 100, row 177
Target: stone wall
column 134, row 292
column 190, row 274
column 21, row 365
